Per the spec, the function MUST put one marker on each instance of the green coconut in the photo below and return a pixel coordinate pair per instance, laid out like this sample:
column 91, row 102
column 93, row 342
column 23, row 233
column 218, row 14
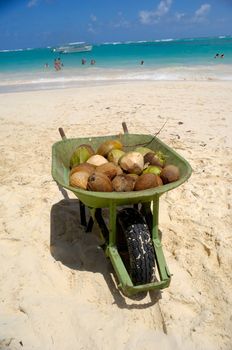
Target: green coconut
column 81, row 155
column 143, row 150
column 152, row 169
column 114, row 155
column 162, row 158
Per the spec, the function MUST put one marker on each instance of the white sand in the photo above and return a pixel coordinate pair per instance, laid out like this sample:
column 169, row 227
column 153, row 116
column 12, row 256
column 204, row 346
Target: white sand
column 62, row 295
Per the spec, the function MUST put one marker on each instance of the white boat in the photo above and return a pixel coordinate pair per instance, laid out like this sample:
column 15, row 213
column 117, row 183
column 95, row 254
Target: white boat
column 73, row 47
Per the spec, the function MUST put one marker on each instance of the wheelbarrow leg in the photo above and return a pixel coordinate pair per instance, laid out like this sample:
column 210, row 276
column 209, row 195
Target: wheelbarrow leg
column 146, row 212
column 82, row 214
column 161, row 263
column 102, row 224
column 96, row 215
column 90, row 225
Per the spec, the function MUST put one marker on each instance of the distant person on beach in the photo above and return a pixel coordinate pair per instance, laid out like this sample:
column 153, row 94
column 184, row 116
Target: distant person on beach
column 46, row 65
column 92, row 62
column 58, row 64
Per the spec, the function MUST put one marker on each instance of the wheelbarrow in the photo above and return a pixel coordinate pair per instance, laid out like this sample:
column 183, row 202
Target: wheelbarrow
column 131, row 239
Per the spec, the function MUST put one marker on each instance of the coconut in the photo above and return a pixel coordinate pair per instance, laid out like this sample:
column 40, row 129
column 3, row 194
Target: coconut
column 109, row 169
column 143, row 150
column 170, row 173
column 97, row 160
column 162, row 157
column 134, row 176
column 123, row 183
column 119, row 170
column 99, row 182
column 79, row 179
column 152, row 159
column 81, row 155
column 132, row 162
column 114, row 155
column 89, row 168
column 152, row 169
column 146, row 181
column 107, row 146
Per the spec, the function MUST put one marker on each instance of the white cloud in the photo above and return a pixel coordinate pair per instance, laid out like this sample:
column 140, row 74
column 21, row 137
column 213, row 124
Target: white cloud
column 148, row 17
column 120, row 22
column 203, row 10
column 201, row 13
column 32, row 3
column 145, row 17
column 163, row 7
column 179, row 16
column 93, row 18
column 91, row 29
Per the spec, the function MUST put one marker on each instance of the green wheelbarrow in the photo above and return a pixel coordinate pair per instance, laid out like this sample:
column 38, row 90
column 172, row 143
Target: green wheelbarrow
column 131, row 237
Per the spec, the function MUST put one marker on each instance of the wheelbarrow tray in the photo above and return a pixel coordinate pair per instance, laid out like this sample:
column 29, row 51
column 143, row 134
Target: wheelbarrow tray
column 61, row 155
column 63, row 150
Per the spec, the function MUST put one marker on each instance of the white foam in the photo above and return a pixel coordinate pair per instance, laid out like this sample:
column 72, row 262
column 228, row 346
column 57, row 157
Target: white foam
column 79, row 77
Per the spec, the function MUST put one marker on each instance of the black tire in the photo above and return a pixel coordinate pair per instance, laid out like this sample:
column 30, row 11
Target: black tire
column 135, row 246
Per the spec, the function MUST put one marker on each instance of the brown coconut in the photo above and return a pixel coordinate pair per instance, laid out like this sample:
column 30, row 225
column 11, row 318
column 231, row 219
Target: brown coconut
column 107, row 146
column 170, row 173
column 89, row 168
column 109, row 169
column 152, row 159
column 146, row 181
column 123, row 183
column 99, row 182
column 79, row 179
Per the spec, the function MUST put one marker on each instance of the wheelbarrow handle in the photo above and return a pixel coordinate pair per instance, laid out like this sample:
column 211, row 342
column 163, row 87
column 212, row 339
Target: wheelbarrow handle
column 62, row 134
column 125, row 129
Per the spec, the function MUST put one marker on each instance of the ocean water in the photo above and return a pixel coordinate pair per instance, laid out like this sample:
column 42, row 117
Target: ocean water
column 183, row 59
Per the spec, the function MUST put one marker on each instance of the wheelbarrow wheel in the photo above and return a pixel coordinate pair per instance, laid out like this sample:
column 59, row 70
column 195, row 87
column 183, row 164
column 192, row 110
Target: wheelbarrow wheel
column 135, row 246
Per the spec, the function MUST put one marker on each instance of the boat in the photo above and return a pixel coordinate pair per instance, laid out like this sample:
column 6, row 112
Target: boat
column 73, row 47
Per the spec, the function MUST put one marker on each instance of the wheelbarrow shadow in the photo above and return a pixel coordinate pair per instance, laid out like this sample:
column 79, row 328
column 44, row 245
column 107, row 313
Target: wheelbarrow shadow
column 79, row 250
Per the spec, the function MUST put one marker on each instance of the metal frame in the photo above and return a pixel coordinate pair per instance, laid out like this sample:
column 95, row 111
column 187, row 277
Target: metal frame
column 61, row 152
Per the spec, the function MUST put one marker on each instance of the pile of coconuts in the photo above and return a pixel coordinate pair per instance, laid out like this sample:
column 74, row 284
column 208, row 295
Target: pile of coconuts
column 111, row 169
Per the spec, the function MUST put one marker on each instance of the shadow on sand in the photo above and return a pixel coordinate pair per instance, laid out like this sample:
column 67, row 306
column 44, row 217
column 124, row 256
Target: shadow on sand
column 78, row 250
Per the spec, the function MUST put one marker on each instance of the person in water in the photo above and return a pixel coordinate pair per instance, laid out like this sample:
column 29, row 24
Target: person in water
column 58, row 64
column 83, row 61
column 92, row 62
column 142, row 62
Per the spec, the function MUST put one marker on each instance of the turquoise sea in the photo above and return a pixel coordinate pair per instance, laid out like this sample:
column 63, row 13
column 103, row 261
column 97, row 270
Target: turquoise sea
column 183, row 59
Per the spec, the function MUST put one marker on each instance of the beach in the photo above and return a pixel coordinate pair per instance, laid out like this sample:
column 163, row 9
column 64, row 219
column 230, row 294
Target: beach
column 58, row 290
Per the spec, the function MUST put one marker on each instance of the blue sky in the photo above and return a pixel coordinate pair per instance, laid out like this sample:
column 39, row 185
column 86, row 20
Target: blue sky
column 40, row 23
